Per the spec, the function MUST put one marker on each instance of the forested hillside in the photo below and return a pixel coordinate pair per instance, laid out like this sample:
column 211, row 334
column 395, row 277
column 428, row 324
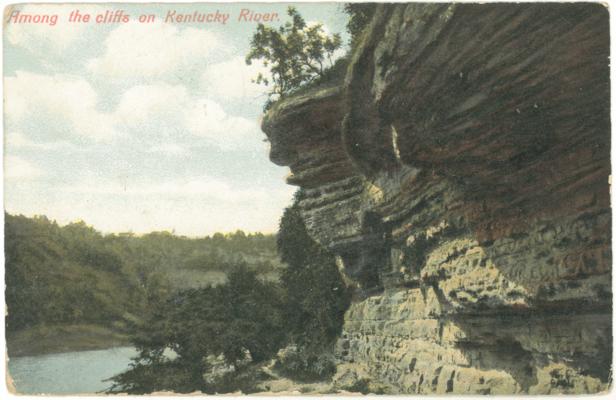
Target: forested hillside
column 59, row 276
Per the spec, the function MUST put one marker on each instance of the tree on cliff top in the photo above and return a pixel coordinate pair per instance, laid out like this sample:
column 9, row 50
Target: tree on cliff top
column 296, row 53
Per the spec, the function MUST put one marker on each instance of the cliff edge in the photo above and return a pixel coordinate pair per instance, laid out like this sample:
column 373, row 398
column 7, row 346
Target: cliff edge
column 460, row 176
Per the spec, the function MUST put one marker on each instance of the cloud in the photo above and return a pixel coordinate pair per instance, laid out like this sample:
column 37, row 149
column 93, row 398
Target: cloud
column 192, row 206
column 16, row 140
column 202, row 187
column 233, row 79
column 66, row 101
column 143, row 105
column 136, row 51
column 168, row 149
column 119, row 214
column 170, row 111
column 159, row 95
column 208, row 119
column 43, row 38
column 51, row 106
column 16, row 168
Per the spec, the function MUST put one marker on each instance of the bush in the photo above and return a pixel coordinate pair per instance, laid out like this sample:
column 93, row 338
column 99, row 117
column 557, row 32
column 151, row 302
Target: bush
column 304, row 366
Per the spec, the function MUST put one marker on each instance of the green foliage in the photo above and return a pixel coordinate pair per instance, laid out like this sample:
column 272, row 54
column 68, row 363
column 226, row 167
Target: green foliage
column 360, row 15
column 64, row 275
column 240, row 316
column 245, row 315
column 359, row 386
column 75, row 275
column 305, row 366
column 142, row 378
column 316, row 295
column 296, row 53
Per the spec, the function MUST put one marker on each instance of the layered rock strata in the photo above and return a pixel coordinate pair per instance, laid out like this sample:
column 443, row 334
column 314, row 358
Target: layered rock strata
column 460, row 175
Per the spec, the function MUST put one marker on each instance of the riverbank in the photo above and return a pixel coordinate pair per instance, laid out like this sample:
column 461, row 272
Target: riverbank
column 63, row 338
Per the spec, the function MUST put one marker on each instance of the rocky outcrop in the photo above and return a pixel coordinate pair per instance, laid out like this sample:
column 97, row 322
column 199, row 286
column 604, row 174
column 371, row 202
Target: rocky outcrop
column 460, row 175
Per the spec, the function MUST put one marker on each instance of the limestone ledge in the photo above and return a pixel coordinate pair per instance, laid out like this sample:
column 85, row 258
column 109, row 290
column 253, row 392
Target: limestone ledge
column 404, row 342
column 459, row 173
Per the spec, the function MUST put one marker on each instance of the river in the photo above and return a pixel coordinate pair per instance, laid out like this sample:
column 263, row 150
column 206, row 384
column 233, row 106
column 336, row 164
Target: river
column 77, row 372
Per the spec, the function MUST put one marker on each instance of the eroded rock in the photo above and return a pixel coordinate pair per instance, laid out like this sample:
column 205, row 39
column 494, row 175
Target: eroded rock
column 460, row 175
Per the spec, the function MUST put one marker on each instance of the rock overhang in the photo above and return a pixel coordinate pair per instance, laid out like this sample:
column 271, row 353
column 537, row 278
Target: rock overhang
column 463, row 166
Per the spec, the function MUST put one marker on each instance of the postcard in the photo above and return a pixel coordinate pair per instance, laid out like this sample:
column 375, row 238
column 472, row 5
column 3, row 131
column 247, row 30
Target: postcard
column 307, row 198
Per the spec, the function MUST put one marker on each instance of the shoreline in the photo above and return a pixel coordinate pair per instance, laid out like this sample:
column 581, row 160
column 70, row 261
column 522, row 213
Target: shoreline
column 44, row 340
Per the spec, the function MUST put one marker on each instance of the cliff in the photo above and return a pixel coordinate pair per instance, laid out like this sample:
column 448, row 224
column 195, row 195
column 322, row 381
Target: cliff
column 460, row 175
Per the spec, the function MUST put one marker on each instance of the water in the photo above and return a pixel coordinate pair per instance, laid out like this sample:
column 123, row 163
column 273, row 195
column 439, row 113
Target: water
column 77, row 372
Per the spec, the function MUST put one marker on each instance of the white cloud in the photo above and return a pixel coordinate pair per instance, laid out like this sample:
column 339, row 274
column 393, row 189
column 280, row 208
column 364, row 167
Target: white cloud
column 16, row 168
column 202, row 187
column 16, row 140
column 41, row 38
column 233, row 79
column 135, row 51
column 171, row 110
column 159, row 103
column 38, row 105
column 168, row 149
column 101, row 91
column 196, row 206
column 208, row 119
column 63, row 99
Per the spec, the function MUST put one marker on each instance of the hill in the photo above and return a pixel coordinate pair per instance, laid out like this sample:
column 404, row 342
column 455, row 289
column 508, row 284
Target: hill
column 66, row 281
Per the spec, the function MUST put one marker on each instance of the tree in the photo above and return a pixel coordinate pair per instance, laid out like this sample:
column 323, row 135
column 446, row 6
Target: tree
column 296, row 53
column 229, row 320
column 316, row 295
column 63, row 276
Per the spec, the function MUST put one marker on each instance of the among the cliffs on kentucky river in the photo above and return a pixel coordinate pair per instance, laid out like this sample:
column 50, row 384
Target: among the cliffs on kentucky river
column 340, row 198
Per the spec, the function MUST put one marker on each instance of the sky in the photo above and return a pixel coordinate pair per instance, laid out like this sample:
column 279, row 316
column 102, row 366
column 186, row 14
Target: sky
column 139, row 127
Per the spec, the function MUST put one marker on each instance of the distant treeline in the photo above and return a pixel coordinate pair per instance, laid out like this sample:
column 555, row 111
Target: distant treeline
column 223, row 296
column 73, row 274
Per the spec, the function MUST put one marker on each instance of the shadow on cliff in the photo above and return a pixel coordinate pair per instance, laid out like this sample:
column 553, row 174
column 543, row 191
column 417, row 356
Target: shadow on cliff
column 522, row 344
column 512, row 135
column 505, row 111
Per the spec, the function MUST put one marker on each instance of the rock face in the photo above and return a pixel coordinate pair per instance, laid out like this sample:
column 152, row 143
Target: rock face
column 460, row 175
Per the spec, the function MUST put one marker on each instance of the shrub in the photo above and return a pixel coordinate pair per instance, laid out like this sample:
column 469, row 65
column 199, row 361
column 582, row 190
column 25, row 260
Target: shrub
column 304, row 366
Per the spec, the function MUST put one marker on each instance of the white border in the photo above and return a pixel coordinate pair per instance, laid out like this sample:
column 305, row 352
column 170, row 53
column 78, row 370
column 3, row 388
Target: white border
column 4, row 394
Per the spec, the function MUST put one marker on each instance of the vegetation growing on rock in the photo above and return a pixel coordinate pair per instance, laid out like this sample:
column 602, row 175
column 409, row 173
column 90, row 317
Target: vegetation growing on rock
column 296, row 53
column 316, row 299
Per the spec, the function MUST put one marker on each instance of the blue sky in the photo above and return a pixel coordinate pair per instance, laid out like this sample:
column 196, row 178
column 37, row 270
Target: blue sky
column 142, row 127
